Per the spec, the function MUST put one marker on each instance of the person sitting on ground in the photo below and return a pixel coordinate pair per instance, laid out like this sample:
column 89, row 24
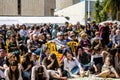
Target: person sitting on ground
column 2, row 44
column 60, row 42
column 117, row 60
column 2, row 76
column 107, row 68
column 66, row 37
column 116, row 38
column 83, row 58
column 34, row 58
column 27, row 65
column 42, row 39
column 23, row 32
column 13, row 46
column 85, row 42
column 10, row 57
column 96, row 42
column 39, row 72
column 1, row 61
column 73, row 36
column 52, row 65
column 44, row 52
column 21, row 44
column 34, row 45
column 96, row 61
column 72, row 65
column 13, row 72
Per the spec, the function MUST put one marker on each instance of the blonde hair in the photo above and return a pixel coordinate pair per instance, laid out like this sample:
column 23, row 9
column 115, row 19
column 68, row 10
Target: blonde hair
column 83, row 35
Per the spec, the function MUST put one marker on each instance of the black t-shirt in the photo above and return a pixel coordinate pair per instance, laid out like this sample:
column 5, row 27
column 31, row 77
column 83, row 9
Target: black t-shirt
column 25, row 64
column 85, row 58
column 46, row 62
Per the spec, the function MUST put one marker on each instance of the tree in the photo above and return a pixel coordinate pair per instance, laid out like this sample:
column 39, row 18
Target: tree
column 97, row 10
column 112, row 7
column 103, row 16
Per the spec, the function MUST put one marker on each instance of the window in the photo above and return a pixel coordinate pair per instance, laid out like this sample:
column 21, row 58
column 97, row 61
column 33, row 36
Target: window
column 52, row 12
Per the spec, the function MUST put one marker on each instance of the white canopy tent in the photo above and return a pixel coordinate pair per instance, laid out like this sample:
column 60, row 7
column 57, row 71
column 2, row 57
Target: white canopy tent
column 32, row 20
column 110, row 21
column 76, row 13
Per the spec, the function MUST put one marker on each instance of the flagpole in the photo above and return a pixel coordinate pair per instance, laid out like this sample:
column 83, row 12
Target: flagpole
column 88, row 8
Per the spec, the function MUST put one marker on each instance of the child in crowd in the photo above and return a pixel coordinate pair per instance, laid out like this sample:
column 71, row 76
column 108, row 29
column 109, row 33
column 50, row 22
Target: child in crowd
column 108, row 69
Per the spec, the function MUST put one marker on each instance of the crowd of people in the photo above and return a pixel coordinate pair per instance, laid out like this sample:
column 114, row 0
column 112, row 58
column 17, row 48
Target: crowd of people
column 26, row 55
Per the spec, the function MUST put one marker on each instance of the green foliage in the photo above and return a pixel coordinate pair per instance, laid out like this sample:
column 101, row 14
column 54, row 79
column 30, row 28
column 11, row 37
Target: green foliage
column 103, row 16
column 97, row 9
column 111, row 7
column 106, row 9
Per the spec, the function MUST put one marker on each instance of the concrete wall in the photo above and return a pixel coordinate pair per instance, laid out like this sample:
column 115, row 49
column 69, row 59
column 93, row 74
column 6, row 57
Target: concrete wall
column 8, row 7
column 50, row 6
column 28, row 8
column 76, row 1
column 32, row 7
column 61, row 4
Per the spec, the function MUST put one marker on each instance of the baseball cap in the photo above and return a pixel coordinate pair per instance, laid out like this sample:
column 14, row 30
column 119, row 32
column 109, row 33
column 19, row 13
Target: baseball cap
column 59, row 33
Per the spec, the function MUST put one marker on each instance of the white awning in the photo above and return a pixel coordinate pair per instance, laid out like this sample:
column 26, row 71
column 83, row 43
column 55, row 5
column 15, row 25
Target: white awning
column 32, row 20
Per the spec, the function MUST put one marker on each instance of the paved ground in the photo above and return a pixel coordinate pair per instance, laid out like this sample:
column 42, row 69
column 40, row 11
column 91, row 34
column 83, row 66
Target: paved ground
column 93, row 77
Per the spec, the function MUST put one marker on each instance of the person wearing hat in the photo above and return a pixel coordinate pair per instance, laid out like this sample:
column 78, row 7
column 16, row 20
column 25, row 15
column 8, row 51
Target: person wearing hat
column 34, row 45
column 60, row 43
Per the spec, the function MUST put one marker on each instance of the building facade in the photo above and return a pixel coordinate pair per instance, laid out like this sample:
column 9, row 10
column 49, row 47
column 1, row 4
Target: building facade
column 8, row 7
column 61, row 4
column 27, row 7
